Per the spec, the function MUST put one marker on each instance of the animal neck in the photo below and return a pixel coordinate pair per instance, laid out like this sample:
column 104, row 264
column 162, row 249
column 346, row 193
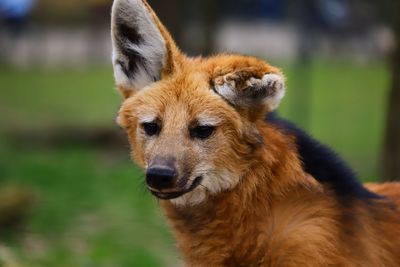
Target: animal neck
column 270, row 178
column 273, row 174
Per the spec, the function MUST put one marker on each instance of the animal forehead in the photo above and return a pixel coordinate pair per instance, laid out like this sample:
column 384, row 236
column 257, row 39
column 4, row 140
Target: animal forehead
column 200, row 106
column 195, row 111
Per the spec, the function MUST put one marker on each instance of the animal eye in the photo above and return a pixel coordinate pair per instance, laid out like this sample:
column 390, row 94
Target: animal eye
column 202, row 132
column 151, row 128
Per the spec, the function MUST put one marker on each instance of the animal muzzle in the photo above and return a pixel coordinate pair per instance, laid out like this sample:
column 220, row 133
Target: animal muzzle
column 163, row 181
column 161, row 177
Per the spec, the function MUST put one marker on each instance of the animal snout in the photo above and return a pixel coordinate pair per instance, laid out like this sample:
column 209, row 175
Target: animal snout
column 161, row 177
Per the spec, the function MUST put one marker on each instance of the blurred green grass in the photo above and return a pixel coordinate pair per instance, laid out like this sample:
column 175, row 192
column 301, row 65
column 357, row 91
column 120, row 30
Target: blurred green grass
column 92, row 207
column 41, row 98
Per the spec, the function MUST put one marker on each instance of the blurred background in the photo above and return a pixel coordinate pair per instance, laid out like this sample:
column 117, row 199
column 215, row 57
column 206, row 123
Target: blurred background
column 69, row 194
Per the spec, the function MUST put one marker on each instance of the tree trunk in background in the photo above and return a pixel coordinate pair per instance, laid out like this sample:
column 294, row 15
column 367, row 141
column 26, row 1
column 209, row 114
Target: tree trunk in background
column 170, row 14
column 210, row 16
column 391, row 153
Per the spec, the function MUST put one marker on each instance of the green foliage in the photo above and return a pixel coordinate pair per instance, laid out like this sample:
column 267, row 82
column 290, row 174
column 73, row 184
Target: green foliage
column 347, row 110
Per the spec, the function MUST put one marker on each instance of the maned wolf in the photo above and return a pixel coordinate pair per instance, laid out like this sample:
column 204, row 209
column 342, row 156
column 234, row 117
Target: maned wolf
column 240, row 188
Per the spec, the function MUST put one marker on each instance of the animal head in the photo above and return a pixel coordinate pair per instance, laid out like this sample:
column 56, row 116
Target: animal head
column 191, row 122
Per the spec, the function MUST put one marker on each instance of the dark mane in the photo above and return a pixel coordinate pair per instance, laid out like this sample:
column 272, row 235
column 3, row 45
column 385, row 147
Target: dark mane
column 323, row 163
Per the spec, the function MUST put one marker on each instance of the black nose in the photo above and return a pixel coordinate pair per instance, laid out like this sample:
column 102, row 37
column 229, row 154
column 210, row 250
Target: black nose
column 160, row 177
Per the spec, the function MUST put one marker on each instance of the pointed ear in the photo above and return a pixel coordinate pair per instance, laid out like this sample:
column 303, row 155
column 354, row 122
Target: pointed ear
column 143, row 50
column 244, row 90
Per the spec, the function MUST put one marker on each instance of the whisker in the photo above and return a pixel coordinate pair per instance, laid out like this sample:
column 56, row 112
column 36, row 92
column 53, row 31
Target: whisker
column 141, row 184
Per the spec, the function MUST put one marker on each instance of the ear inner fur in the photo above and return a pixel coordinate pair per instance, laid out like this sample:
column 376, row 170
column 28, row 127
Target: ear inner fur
column 143, row 50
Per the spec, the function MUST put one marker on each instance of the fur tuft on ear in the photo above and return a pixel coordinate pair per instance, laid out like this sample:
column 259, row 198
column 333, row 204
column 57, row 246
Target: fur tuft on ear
column 142, row 48
column 244, row 91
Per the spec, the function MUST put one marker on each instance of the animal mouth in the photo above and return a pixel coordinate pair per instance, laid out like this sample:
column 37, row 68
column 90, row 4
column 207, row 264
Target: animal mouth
column 176, row 194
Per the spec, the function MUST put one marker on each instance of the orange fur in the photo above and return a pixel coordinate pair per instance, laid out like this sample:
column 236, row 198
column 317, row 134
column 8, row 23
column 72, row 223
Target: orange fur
column 278, row 222
column 390, row 190
column 256, row 205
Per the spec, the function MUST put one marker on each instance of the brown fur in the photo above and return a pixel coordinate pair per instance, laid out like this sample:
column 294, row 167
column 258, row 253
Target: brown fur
column 258, row 207
column 259, row 224
column 390, row 190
